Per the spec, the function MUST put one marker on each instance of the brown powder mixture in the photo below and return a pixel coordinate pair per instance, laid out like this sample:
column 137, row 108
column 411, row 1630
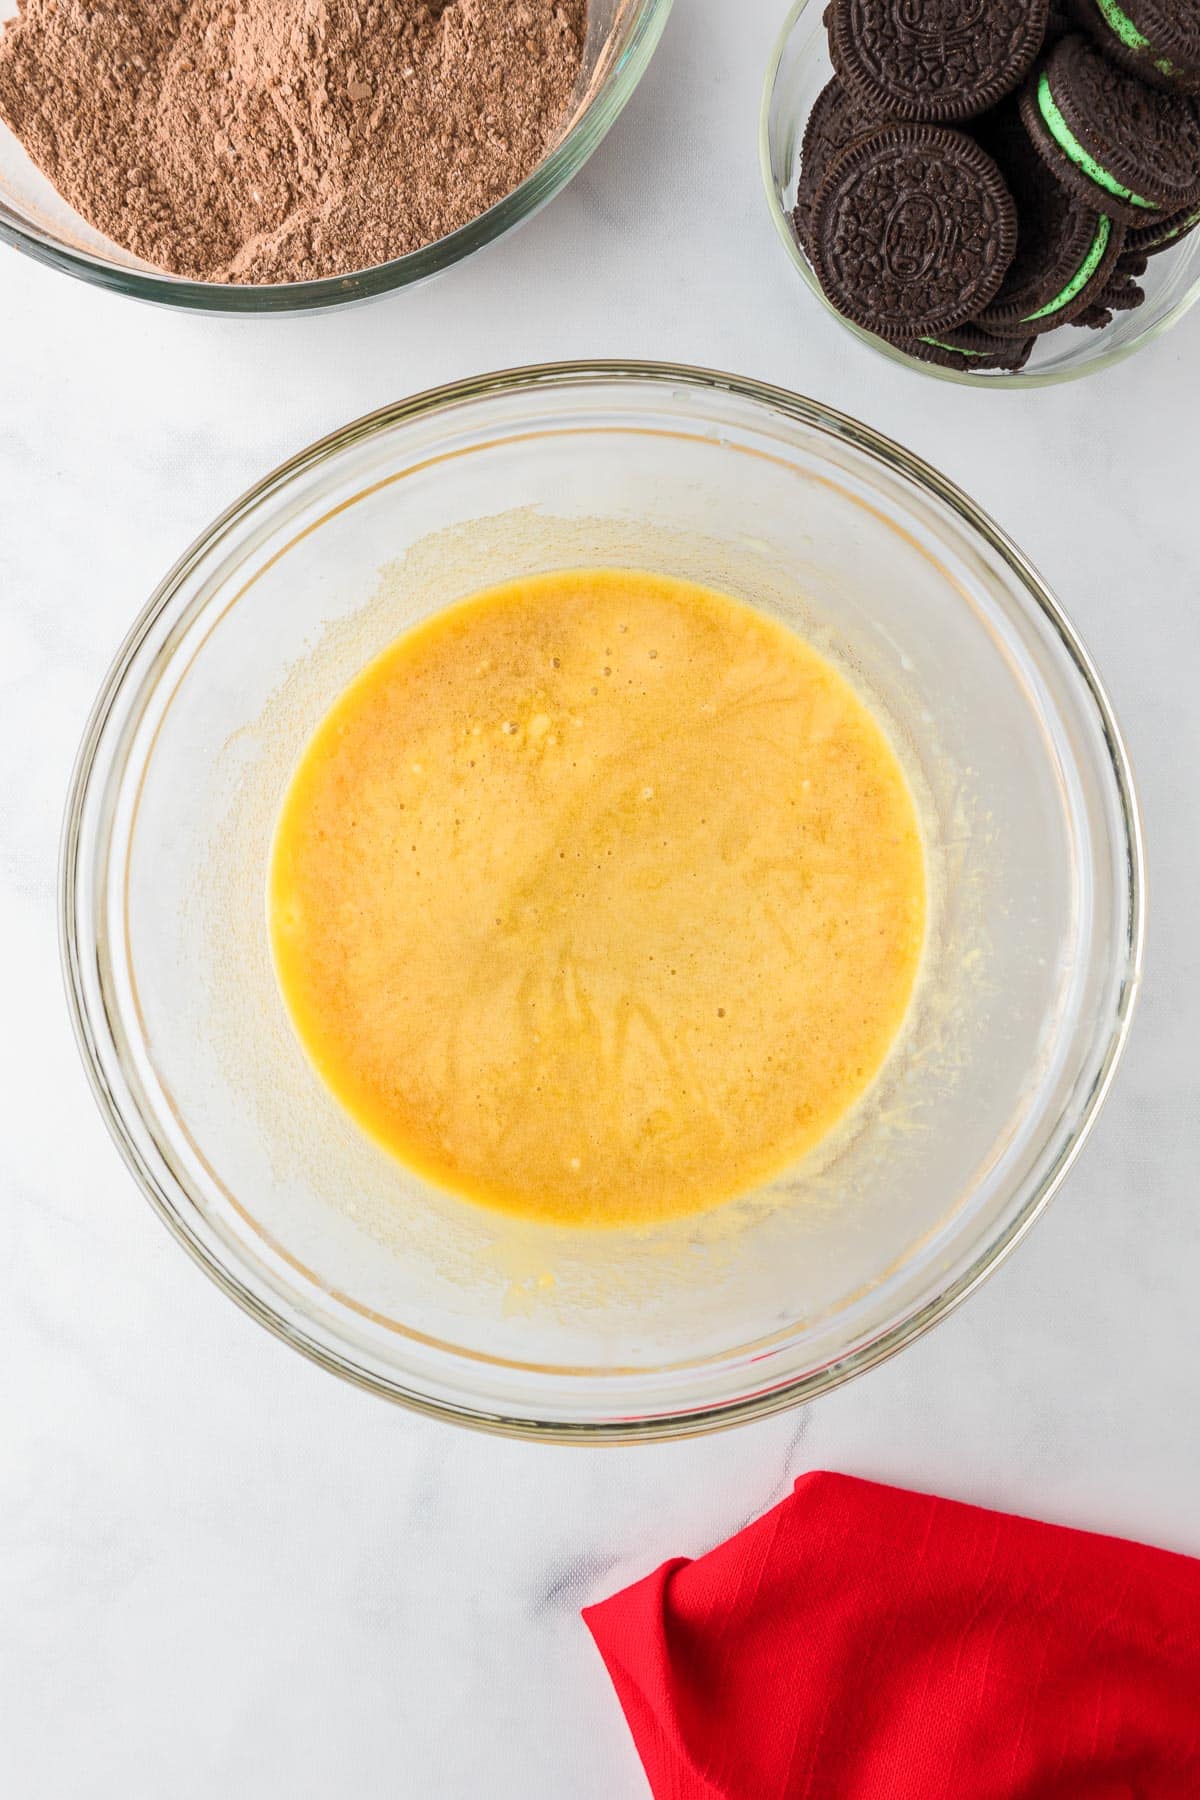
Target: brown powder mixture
column 281, row 140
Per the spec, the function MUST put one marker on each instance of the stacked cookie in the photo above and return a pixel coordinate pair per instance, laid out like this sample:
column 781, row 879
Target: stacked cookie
column 979, row 172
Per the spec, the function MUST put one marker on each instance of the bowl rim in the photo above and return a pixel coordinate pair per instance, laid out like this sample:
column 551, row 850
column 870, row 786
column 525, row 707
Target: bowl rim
column 592, row 121
column 1091, row 364
column 1106, row 1053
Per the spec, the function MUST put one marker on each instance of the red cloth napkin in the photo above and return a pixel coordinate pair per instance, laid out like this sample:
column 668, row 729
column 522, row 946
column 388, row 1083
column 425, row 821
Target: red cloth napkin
column 863, row 1643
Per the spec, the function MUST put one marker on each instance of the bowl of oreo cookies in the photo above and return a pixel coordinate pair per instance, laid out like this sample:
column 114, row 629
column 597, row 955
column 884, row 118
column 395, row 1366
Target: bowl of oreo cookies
column 1000, row 191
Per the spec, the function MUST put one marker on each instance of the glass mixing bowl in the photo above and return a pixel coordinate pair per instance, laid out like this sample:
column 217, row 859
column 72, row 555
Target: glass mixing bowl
column 1028, row 981
column 621, row 38
column 798, row 70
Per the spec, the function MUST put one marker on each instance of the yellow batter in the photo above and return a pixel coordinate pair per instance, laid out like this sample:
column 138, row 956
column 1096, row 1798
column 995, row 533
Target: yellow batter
column 598, row 898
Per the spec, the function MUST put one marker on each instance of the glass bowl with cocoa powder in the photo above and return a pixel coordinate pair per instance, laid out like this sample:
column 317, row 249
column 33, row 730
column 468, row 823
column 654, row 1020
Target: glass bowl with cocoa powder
column 255, row 156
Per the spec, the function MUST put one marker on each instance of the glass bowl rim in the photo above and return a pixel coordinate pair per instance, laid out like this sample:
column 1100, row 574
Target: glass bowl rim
column 1105, row 1051
column 1090, row 363
column 589, row 128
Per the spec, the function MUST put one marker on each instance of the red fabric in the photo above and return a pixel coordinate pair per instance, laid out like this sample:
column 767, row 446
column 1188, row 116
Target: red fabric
column 862, row 1643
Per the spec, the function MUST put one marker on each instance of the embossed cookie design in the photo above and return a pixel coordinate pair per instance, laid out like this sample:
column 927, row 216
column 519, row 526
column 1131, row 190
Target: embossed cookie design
column 914, row 231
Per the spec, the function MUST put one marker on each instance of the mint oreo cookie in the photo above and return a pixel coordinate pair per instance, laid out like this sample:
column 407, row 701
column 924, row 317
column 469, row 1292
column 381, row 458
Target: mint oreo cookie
column 1066, row 251
column 913, row 231
column 935, row 60
column 1156, row 40
column 968, row 349
column 1131, row 151
column 836, row 119
column 1164, row 233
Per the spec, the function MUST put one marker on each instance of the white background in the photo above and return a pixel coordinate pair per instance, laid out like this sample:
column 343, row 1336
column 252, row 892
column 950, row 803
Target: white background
column 222, row 1572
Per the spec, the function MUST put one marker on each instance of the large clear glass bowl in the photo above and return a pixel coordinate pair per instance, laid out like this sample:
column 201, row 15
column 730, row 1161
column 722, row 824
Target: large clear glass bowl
column 798, row 70
column 1029, row 976
column 621, row 38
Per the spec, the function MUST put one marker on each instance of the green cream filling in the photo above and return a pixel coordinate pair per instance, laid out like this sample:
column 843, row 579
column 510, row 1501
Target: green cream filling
column 1070, row 146
column 1123, row 27
column 953, row 348
column 1082, row 276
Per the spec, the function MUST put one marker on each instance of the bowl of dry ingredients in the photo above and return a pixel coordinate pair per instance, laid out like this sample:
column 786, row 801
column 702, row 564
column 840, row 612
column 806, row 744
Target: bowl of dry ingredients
column 282, row 155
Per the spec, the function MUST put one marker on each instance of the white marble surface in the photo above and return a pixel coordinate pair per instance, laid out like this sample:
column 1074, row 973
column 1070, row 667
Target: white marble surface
column 221, row 1572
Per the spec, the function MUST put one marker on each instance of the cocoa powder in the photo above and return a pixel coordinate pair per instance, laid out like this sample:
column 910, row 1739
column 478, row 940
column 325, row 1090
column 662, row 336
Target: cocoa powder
column 281, row 140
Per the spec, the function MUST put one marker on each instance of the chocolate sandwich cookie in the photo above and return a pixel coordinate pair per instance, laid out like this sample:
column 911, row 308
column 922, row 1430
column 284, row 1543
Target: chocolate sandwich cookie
column 1164, row 233
column 1156, row 40
column 1132, row 262
column 836, row 119
column 913, row 231
column 970, row 349
column 939, row 60
column 1066, row 251
column 1129, row 150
